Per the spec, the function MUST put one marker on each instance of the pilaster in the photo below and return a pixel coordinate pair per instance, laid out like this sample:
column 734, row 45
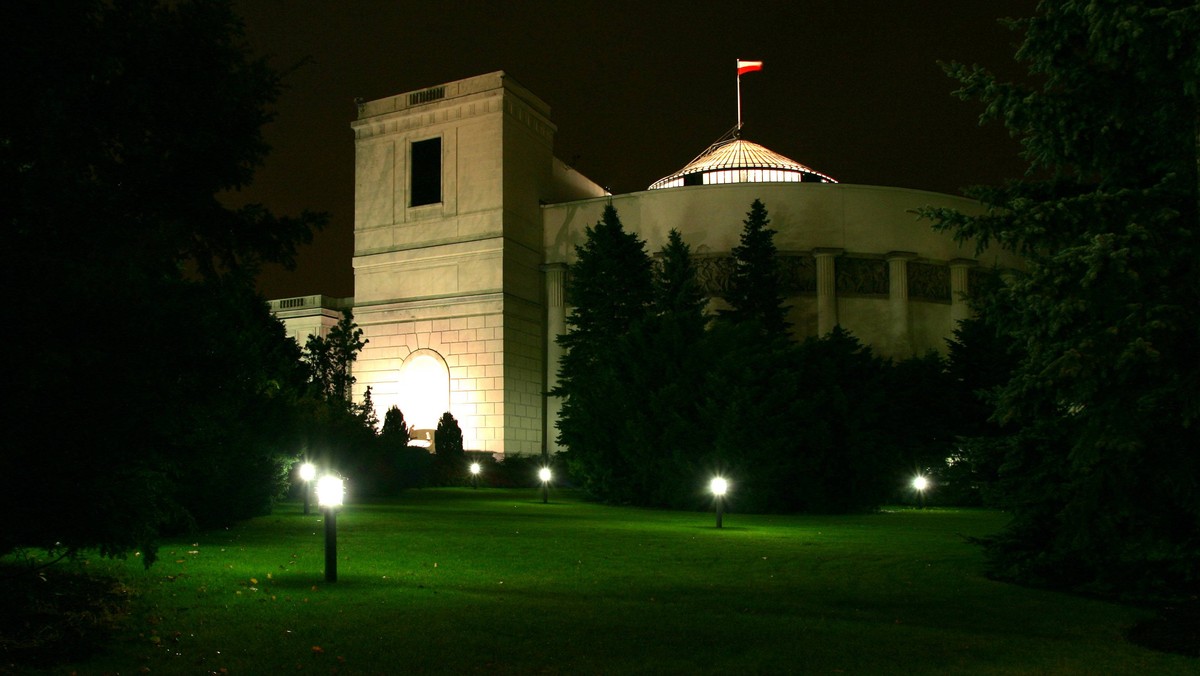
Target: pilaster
column 960, row 309
column 898, row 327
column 827, row 317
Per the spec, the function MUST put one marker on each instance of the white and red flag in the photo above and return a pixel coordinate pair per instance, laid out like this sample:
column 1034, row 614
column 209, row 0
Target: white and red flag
column 744, row 67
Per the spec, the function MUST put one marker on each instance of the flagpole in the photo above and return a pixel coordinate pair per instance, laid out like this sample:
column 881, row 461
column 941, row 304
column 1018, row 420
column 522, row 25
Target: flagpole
column 739, row 101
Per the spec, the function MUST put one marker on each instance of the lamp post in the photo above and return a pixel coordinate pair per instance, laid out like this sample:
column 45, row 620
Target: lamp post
column 719, row 486
column 308, row 472
column 545, row 475
column 919, row 484
column 475, row 475
column 330, row 493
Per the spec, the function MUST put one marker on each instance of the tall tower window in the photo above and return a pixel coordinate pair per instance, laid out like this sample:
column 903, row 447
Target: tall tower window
column 426, row 187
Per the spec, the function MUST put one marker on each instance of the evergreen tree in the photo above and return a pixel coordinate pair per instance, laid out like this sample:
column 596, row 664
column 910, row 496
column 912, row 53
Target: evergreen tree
column 331, row 358
column 609, row 287
column 125, row 126
column 678, row 295
column 395, row 429
column 1103, row 411
column 448, row 437
column 449, row 457
column 366, row 411
column 611, row 291
column 755, row 289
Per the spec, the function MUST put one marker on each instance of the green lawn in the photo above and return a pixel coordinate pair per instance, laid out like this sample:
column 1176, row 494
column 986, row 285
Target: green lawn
column 494, row 581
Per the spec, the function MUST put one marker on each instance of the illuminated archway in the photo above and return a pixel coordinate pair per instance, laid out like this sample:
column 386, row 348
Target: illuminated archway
column 424, row 392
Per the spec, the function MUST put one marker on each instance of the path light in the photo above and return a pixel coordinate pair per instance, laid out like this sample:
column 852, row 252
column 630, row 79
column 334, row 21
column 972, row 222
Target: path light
column 919, row 484
column 475, row 468
column 719, row 487
column 308, row 472
column 330, row 493
column 545, row 475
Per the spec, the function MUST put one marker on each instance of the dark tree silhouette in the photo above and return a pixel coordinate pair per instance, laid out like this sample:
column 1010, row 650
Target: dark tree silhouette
column 755, row 292
column 149, row 371
column 1099, row 461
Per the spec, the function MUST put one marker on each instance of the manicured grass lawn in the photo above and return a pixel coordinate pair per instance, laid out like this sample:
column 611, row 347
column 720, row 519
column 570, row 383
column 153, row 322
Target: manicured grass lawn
column 494, row 581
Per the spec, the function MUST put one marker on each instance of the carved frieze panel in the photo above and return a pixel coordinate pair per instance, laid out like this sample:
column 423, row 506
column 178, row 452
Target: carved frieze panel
column 862, row 276
column 798, row 274
column 928, row 282
column 713, row 274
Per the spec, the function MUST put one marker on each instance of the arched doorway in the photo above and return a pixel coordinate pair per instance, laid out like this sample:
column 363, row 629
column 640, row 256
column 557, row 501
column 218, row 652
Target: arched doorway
column 424, row 392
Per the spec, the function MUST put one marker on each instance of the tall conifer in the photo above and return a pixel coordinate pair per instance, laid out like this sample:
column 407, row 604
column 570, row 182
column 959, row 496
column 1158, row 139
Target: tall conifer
column 755, row 289
column 611, row 291
column 1103, row 411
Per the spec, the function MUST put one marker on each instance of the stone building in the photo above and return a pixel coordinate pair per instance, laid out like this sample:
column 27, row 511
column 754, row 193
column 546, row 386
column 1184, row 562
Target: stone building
column 465, row 224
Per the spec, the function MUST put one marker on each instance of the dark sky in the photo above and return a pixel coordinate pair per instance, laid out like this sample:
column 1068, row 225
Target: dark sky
column 850, row 88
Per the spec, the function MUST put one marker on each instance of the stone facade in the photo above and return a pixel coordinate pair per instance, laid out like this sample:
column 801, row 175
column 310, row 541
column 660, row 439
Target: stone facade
column 465, row 224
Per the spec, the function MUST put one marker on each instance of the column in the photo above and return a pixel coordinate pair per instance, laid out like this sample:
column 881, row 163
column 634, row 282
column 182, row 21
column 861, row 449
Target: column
column 898, row 316
column 826, row 289
column 960, row 309
column 556, row 324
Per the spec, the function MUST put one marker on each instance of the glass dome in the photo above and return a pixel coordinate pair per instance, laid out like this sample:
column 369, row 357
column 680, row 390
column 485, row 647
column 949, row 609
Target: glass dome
column 739, row 161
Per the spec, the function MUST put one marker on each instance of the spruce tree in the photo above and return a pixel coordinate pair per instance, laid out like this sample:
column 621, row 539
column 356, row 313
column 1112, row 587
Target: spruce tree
column 755, row 290
column 678, row 295
column 1102, row 413
column 448, row 438
column 331, row 358
column 611, row 291
column 395, row 430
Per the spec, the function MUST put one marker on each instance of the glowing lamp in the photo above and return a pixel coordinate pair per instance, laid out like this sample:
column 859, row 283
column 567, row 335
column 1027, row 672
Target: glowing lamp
column 475, row 469
column 545, row 475
column 919, row 484
column 308, row 472
column 719, row 486
column 330, row 491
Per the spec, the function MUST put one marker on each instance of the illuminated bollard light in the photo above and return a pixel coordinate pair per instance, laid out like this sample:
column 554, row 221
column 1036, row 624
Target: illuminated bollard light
column 719, row 487
column 308, row 472
column 545, row 476
column 331, row 491
column 919, row 484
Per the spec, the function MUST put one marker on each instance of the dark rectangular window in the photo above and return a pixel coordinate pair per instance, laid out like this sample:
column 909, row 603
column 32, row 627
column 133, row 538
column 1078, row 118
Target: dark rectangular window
column 426, row 187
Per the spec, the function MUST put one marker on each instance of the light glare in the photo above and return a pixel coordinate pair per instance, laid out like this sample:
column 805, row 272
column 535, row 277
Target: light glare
column 474, row 468
column 719, row 486
column 920, row 483
column 308, row 471
column 544, row 474
column 330, row 491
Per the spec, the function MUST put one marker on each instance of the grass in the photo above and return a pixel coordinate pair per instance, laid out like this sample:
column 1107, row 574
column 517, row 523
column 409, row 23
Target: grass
column 495, row 582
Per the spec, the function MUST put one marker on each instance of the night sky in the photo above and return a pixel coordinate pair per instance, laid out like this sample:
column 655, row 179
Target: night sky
column 851, row 88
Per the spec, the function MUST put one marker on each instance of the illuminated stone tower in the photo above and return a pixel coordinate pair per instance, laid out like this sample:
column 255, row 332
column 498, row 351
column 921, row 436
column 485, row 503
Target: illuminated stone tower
column 448, row 249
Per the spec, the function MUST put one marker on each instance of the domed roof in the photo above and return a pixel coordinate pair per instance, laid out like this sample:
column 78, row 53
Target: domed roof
column 734, row 160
